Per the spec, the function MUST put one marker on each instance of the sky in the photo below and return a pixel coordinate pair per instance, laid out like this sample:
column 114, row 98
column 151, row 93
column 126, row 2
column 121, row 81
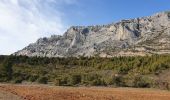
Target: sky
column 24, row 21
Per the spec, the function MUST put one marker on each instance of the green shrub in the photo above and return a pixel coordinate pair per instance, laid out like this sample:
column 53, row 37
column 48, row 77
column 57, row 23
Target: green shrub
column 74, row 79
column 118, row 81
column 33, row 78
column 62, row 81
column 142, row 82
column 43, row 80
column 94, row 71
column 97, row 82
column 58, row 82
column 7, row 69
column 109, row 81
column 18, row 80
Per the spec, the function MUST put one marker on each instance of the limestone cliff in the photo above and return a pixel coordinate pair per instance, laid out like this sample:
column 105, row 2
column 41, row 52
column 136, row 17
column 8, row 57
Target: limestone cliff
column 140, row 36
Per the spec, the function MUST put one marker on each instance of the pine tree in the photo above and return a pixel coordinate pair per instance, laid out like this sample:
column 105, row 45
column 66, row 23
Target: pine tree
column 7, row 69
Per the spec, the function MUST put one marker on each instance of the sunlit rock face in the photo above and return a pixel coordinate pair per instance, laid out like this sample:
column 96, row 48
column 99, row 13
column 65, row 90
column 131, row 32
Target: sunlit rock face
column 140, row 36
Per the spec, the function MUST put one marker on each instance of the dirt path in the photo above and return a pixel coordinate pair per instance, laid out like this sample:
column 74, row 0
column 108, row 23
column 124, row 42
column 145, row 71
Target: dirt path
column 8, row 96
column 36, row 92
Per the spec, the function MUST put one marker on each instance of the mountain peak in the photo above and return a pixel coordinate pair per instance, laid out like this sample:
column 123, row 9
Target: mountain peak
column 139, row 36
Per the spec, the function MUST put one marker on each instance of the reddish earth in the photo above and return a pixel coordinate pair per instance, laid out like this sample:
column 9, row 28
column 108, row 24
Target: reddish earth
column 4, row 95
column 41, row 92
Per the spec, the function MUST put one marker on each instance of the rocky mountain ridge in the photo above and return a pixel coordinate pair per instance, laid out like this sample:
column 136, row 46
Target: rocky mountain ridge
column 140, row 36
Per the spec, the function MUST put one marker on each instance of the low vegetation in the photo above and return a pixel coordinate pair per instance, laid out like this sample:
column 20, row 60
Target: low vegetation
column 139, row 72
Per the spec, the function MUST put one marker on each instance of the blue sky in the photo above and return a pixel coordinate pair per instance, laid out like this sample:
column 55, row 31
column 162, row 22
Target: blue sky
column 89, row 12
column 24, row 21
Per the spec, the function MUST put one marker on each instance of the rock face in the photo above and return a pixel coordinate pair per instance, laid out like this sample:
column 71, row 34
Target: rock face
column 140, row 36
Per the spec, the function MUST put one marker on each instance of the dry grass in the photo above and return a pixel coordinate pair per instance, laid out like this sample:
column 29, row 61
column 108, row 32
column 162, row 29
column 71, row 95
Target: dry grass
column 41, row 92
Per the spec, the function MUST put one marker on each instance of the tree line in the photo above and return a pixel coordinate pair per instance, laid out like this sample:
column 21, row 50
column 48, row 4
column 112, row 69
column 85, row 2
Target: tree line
column 87, row 71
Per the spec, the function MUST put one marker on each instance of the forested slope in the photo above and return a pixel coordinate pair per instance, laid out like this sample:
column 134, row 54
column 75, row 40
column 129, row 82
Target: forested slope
column 148, row 71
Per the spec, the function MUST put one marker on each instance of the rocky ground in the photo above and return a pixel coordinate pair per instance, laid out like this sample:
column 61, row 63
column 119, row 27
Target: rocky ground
column 42, row 92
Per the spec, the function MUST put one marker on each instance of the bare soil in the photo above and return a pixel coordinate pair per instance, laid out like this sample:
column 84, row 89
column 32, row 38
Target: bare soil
column 43, row 92
column 4, row 95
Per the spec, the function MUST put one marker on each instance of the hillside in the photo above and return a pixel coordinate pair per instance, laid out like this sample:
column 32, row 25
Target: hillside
column 139, row 72
column 132, row 37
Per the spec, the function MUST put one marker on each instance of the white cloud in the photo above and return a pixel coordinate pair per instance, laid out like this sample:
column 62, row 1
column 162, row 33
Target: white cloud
column 24, row 21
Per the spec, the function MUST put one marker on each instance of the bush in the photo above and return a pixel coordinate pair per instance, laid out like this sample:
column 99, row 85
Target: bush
column 43, row 80
column 162, row 85
column 18, row 80
column 74, row 79
column 7, row 69
column 33, row 78
column 118, row 81
column 62, row 81
column 97, row 82
column 109, row 81
column 142, row 82
column 91, row 70
column 58, row 82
